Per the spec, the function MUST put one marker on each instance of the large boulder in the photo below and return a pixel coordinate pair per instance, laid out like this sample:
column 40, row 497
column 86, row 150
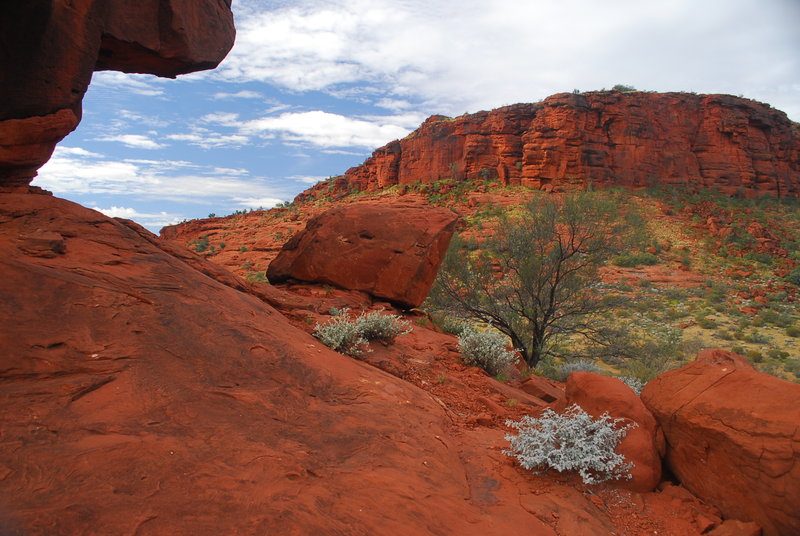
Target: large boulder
column 50, row 50
column 733, row 437
column 643, row 445
column 391, row 251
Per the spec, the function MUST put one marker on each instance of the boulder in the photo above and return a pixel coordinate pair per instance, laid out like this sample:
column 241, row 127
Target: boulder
column 52, row 48
column 643, row 445
column 391, row 251
column 733, row 438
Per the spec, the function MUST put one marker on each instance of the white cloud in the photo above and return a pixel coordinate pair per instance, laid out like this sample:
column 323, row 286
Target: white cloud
column 307, row 179
column 140, row 84
column 325, row 129
column 456, row 56
column 135, row 141
column 243, row 94
column 69, row 174
column 150, row 220
column 207, row 139
column 257, row 202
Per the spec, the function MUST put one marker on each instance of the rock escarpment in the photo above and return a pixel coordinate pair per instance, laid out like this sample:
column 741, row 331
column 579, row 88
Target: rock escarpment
column 50, row 50
column 601, row 139
column 389, row 251
column 733, row 438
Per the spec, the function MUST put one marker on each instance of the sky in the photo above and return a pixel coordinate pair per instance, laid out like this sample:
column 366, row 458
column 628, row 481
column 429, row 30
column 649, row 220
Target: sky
column 312, row 87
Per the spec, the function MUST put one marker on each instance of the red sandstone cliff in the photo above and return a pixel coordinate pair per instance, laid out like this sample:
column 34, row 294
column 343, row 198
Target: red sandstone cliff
column 602, row 138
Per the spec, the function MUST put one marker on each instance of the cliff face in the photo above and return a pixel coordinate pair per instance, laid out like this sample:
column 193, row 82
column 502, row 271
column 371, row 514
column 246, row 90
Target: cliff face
column 604, row 139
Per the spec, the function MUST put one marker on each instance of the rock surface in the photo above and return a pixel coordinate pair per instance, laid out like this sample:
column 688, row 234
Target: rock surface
column 603, row 139
column 643, row 445
column 52, row 48
column 733, row 438
column 141, row 396
column 389, row 251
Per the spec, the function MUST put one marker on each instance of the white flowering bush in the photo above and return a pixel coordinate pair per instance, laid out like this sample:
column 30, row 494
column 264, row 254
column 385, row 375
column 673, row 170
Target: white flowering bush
column 376, row 326
column 634, row 383
column 571, row 441
column 563, row 370
column 485, row 349
column 342, row 334
column 350, row 335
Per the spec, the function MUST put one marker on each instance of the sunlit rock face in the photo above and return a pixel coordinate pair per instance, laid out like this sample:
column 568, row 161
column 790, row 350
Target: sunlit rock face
column 52, row 48
column 601, row 139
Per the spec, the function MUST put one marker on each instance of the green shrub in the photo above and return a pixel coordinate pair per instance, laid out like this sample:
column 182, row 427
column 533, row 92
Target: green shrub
column 794, row 277
column 775, row 318
column 571, row 441
column 755, row 356
column 706, row 322
column 629, row 260
column 793, row 331
column 485, row 349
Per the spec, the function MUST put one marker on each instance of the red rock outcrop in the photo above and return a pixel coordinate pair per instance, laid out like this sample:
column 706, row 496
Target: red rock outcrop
column 390, row 251
column 643, row 445
column 141, row 396
column 733, row 438
column 52, row 48
column 604, row 139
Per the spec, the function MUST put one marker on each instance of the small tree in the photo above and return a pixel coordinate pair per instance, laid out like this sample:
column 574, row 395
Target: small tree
column 534, row 279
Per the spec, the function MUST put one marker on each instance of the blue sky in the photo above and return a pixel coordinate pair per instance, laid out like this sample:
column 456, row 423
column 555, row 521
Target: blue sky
column 312, row 87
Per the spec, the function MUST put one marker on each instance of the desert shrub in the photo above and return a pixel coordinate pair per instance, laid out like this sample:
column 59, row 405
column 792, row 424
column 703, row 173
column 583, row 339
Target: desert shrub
column 341, row 334
column 756, row 337
column 776, row 318
column 629, row 260
column 562, row 371
column 448, row 324
column 634, row 383
column 571, row 441
column 376, row 326
column 794, row 277
column 349, row 335
column 485, row 349
column 706, row 322
column 793, row 331
column 755, row 356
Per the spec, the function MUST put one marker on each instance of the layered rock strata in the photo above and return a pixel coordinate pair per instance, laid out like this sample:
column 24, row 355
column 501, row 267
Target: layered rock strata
column 601, row 139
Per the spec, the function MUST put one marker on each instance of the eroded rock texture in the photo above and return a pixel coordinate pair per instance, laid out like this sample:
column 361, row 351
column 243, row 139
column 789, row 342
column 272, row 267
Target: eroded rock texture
column 141, row 396
column 733, row 438
column 389, row 251
column 50, row 49
column 603, row 139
